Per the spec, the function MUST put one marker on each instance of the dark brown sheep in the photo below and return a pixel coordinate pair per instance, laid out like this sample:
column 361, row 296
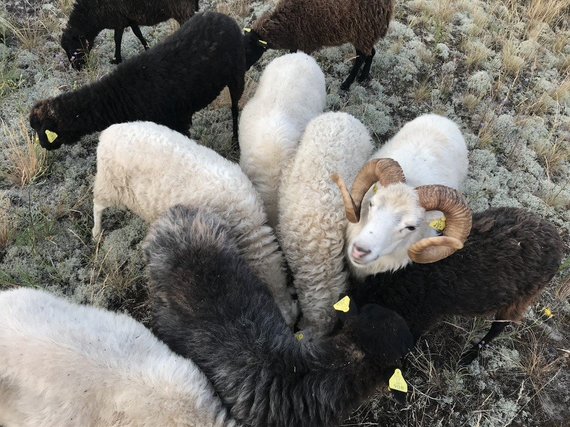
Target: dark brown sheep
column 508, row 259
column 89, row 17
column 309, row 25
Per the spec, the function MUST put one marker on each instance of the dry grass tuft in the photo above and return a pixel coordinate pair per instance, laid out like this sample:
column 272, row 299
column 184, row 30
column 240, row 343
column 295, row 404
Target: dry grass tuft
column 26, row 161
column 235, row 8
column 512, row 63
column 6, row 225
column 471, row 102
column 31, row 33
column 475, row 53
column 422, row 92
column 547, row 11
column 552, row 155
column 65, row 6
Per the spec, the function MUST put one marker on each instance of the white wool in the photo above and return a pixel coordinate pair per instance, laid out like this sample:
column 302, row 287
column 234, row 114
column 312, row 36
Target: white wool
column 290, row 93
column 311, row 213
column 148, row 168
column 431, row 150
column 63, row 364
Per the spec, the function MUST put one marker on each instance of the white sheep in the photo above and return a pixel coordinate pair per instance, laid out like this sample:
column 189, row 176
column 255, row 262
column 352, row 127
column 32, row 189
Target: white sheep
column 63, row 364
column 147, row 168
column 290, row 93
column 311, row 216
column 428, row 163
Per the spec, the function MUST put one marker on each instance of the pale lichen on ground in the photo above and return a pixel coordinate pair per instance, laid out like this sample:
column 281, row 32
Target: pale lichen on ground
column 499, row 68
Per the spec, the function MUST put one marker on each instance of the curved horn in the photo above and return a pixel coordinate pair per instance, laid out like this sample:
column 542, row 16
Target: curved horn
column 458, row 223
column 385, row 171
column 349, row 207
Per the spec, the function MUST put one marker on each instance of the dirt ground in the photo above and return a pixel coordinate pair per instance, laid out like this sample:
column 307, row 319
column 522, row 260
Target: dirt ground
column 499, row 68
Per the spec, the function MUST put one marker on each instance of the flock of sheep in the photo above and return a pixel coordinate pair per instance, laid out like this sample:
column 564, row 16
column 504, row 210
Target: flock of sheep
column 225, row 238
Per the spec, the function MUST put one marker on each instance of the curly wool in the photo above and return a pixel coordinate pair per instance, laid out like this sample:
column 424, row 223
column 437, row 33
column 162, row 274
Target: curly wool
column 311, row 214
column 290, row 93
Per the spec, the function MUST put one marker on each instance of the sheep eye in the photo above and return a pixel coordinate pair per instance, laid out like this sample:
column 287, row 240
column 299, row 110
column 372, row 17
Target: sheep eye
column 370, row 204
column 411, row 227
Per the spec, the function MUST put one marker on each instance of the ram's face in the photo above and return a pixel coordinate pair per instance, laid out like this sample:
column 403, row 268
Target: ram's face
column 391, row 220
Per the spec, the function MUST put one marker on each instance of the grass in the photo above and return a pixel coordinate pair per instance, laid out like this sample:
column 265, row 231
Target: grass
column 7, row 225
column 518, row 49
column 511, row 61
column 235, row 8
column 26, row 161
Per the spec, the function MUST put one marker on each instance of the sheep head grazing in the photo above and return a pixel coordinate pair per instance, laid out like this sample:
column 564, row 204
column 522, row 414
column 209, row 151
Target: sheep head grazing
column 76, row 47
column 254, row 47
column 48, row 129
column 388, row 226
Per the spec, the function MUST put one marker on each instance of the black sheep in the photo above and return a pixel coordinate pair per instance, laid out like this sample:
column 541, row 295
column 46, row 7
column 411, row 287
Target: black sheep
column 89, row 17
column 208, row 305
column 165, row 84
column 509, row 257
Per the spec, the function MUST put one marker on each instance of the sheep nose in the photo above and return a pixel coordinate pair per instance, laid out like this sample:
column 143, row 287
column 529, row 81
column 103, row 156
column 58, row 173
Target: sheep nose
column 359, row 252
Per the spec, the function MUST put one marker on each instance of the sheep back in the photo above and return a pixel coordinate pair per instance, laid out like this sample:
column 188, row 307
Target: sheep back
column 148, row 168
column 431, row 150
column 94, row 15
column 311, row 214
column 509, row 257
column 66, row 364
column 309, row 25
column 290, row 93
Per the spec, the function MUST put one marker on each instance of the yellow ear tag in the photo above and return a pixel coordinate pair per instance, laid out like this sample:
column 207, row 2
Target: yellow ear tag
column 51, row 136
column 37, row 139
column 397, row 382
column 262, row 42
column 343, row 305
column 299, row 336
column 548, row 313
column 375, row 188
column 247, row 30
column 438, row 224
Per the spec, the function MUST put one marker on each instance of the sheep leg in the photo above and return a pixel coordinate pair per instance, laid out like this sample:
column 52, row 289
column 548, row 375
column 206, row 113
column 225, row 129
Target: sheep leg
column 118, row 39
column 97, row 215
column 137, row 32
column 236, row 90
column 496, row 328
column 365, row 73
column 355, row 67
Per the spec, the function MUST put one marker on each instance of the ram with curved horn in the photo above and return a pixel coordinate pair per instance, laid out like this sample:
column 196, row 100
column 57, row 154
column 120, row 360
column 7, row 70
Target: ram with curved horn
column 389, row 210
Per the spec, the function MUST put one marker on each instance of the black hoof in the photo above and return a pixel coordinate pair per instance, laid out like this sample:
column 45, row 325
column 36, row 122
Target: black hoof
column 364, row 78
column 345, row 86
column 468, row 357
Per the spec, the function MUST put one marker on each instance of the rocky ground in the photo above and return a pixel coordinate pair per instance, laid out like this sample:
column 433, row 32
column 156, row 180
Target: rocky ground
column 499, row 68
